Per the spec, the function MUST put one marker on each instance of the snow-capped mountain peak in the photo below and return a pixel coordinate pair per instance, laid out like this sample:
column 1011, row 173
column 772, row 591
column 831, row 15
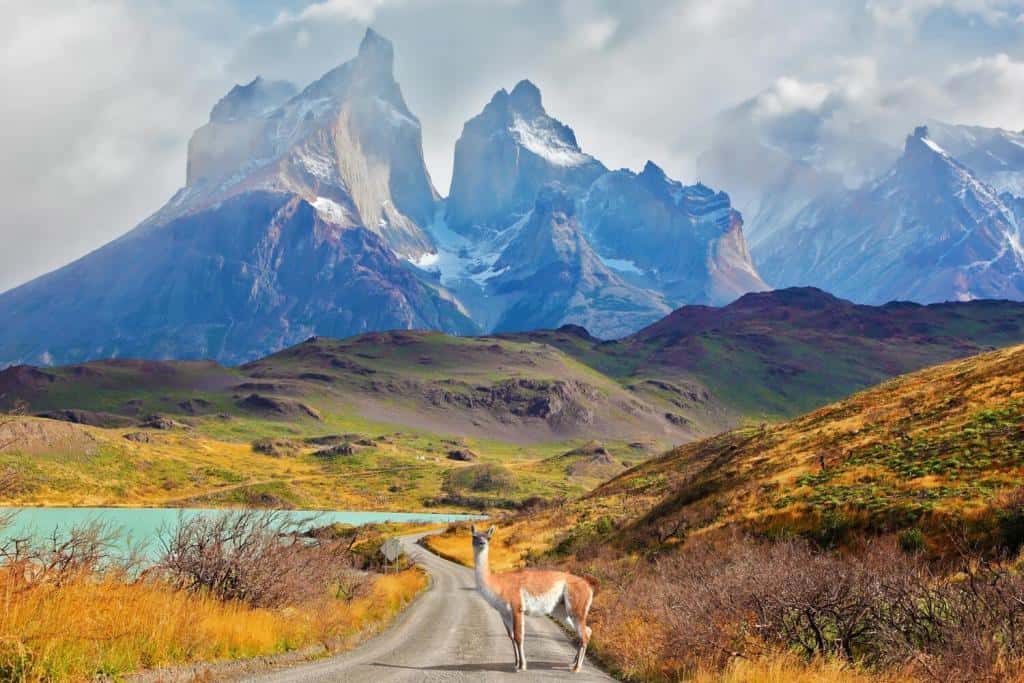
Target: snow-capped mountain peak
column 347, row 143
column 995, row 155
column 921, row 133
column 505, row 154
column 928, row 230
column 928, row 173
column 525, row 97
column 919, row 143
column 255, row 98
column 521, row 115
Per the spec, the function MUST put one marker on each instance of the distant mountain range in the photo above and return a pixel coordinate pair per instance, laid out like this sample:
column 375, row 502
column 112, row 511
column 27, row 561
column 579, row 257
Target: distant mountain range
column 311, row 212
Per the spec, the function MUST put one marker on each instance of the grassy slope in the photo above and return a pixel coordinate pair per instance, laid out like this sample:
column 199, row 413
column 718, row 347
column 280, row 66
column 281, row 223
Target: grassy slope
column 933, row 450
column 188, row 466
column 779, row 354
column 925, row 449
column 514, row 391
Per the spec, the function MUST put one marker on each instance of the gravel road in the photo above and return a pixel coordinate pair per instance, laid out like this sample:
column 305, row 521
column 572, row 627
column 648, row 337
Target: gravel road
column 449, row 634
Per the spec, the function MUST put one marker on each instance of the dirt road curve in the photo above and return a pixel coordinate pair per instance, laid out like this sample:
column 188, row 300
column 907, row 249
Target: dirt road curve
column 450, row 634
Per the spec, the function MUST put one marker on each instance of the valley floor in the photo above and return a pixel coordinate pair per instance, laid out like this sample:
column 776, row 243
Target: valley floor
column 326, row 466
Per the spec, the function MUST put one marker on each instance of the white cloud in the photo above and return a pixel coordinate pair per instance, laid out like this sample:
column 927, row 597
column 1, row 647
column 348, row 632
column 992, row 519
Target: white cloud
column 907, row 14
column 595, row 34
column 354, row 10
column 787, row 95
column 988, row 91
column 99, row 100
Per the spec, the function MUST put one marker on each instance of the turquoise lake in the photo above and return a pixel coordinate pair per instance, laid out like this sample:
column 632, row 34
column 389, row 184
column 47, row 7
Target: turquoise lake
column 142, row 525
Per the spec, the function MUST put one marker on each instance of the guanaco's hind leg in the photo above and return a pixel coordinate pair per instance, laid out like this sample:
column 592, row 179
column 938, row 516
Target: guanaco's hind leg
column 581, row 654
column 583, row 599
column 518, row 635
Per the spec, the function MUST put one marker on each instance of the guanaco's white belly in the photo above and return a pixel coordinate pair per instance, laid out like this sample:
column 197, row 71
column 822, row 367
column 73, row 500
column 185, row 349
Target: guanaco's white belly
column 543, row 603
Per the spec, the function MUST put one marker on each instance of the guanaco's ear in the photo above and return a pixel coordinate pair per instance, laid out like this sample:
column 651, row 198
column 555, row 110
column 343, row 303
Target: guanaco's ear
column 490, row 532
column 472, row 529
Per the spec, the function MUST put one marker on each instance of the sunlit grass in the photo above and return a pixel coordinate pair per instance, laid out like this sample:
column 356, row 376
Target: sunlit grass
column 89, row 627
column 215, row 464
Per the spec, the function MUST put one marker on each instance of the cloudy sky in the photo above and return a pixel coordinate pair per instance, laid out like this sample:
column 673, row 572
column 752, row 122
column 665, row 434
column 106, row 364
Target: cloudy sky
column 101, row 96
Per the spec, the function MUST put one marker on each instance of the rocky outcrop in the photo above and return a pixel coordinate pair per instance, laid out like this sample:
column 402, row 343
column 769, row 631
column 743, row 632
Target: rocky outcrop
column 347, row 144
column 275, row 407
column 88, row 417
column 462, row 455
column 549, row 276
column 684, row 241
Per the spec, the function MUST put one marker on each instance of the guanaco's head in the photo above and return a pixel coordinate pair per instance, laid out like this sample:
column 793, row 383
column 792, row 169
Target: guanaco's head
column 481, row 538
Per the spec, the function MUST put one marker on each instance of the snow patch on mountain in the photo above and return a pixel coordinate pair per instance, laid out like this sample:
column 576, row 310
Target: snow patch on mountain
column 295, row 117
column 318, row 165
column 621, row 265
column 932, row 145
column 333, row 212
column 546, row 144
column 458, row 260
column 393, row 116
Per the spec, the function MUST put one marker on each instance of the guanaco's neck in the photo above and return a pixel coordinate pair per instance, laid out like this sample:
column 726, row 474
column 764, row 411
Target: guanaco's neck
column 483, row 567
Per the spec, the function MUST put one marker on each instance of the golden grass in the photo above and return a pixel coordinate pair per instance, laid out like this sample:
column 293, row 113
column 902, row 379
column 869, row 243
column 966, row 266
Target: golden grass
column 63, row 464
column 92, row 627
column 917, row 445
column 788, row 668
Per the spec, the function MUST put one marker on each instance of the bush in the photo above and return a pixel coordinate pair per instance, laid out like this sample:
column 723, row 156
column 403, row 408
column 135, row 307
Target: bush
column 479, row 479
column 912, row 540
column 1010, row 518
column 265, row 559
column 61, row 558
column 879, row 608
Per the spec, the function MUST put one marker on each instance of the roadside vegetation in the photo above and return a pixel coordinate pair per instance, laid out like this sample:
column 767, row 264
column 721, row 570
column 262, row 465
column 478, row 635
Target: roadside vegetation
column 879, row 538
column 76, row 606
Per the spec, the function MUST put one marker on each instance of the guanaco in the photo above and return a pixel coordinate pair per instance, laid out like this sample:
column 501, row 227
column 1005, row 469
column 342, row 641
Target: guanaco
column 532, row 591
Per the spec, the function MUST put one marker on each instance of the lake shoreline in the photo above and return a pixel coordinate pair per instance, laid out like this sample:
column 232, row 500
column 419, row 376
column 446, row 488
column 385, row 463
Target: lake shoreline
column 141, row 528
